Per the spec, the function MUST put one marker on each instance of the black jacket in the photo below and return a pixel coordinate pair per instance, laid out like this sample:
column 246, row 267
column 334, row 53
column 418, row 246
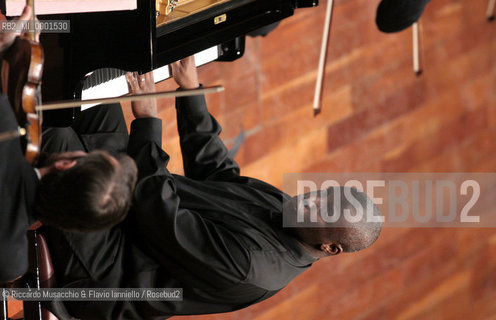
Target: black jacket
column 18, row 187
column 211, row 232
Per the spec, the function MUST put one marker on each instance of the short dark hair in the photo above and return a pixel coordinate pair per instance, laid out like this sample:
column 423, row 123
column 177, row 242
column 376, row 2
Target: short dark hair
column 93, row 195
column 355, row 236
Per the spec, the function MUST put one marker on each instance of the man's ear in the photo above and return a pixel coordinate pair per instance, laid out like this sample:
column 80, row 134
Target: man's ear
column 331, row 248
column 64, row 164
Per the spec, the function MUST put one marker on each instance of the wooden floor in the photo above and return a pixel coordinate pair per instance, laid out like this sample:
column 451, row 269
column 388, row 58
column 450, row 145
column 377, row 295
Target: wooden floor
column 377, row 117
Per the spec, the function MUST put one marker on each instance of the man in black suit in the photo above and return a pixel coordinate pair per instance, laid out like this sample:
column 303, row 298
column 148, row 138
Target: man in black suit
column 74, row 190
column 212, row 232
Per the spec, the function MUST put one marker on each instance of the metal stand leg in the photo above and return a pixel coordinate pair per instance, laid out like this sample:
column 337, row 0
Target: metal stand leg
column 490, row 10
column 322, row 59
column 417, row 48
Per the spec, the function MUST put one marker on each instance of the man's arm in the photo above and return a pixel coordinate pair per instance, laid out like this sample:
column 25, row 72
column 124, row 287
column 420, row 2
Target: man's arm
column 146, row 128
column 208, row 256
column 205, row 157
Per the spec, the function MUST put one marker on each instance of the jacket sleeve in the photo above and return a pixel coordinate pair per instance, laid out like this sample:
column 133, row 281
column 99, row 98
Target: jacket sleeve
column 144, row 147
column 18, row 184
column 205, row 157
column 194, row 249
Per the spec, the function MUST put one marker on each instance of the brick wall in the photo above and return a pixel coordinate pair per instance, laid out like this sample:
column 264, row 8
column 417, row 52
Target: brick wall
column 377, row 116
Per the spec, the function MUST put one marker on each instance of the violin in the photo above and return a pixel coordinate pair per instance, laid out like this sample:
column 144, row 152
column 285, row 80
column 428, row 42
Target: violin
column 22, row 69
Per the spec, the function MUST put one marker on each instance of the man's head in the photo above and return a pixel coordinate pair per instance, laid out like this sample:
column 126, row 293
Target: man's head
column 85, row 192
column 341, row 220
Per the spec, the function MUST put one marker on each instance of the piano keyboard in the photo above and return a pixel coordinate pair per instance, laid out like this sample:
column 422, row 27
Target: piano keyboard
column 110, row 82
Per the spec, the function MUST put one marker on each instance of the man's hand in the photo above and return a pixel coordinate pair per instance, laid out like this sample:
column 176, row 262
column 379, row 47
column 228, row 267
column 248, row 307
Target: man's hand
column 184, row 73
column 142, row 84
column 7, row 38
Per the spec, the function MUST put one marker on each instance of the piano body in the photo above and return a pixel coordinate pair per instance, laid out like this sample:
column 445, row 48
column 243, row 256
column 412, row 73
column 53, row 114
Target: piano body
column 147, row 39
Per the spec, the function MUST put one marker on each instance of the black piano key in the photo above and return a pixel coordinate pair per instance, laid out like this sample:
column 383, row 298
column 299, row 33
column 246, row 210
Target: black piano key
column 88, row 83
column 102, row 75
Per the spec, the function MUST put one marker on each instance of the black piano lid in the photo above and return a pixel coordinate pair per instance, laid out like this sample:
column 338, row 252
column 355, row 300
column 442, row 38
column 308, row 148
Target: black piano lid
column 130, row 40
column 197, row 17
column 198, row 31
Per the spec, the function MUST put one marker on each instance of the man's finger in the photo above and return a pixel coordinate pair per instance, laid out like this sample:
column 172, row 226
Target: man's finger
column 25, row 16
column 173, row 67
column 149, row 77
column 26, row 13
column 22, row 20
column 141, row 81
column 190, row 58
column 128, row 80
column 132, row 82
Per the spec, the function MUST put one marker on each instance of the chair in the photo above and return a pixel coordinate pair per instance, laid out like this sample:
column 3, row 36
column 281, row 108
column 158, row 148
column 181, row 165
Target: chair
column 40, row 274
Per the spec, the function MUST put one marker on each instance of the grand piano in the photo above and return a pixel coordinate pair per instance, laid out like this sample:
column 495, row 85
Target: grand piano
column 101, row 46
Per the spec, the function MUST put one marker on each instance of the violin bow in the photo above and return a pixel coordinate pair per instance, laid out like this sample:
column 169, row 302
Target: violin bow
column 134, row 97
column 7, row 135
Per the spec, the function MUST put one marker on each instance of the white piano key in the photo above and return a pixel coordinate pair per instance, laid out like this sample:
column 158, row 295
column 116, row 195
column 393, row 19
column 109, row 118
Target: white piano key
column 113, row 88
column 161, row 74
column 206, row 56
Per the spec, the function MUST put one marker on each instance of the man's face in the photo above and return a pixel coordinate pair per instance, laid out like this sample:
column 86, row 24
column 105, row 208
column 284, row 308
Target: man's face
column 314, row 232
